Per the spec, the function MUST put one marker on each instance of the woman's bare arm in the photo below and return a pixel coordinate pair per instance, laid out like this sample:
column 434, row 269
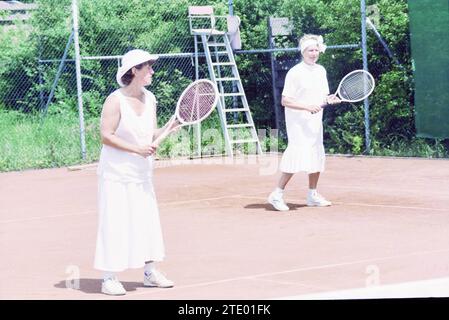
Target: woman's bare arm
column 294, row 104
column 110, row 118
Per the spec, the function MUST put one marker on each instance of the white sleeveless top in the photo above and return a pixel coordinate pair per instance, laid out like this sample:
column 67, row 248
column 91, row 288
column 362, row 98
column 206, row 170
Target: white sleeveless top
column 124, row 166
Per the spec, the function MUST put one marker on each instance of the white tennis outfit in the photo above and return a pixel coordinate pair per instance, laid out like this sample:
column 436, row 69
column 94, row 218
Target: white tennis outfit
column 129, row 231
column 305, row 151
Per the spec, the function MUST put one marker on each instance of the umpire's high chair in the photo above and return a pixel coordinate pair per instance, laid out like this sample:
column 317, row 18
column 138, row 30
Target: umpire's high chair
column 235, row 115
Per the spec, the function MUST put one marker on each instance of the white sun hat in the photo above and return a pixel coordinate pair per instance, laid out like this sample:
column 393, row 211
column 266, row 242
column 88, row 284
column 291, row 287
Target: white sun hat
column 131, row 59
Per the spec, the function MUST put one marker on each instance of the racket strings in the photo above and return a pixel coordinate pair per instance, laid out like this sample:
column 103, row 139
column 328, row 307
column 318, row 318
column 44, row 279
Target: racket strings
column 356, row 87
column 197, row 102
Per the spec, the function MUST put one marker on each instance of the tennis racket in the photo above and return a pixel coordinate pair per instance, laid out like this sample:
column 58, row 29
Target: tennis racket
column 195, row 104
column 355, row 86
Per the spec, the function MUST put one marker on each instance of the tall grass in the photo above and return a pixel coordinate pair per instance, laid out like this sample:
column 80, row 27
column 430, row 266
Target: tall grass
column 416, row 147
column 27, row 142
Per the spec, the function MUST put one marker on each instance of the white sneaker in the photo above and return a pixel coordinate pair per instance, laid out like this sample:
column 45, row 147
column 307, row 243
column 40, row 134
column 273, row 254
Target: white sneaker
column 156, row 279
column 275, row 199
column 112, row 287
column 317, row 200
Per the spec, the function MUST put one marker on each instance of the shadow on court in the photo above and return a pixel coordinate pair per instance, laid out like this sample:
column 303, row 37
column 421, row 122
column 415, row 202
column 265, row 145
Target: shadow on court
column 93, row 286
column 269, row 207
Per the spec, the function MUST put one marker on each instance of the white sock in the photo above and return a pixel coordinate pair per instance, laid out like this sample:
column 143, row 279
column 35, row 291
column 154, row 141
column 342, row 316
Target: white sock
column 149, row 267
column 108, row 275
column 279, row 191
column 312, row 192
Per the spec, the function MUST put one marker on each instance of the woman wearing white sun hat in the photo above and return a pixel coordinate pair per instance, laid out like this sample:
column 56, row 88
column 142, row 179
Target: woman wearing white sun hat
column 305, row 91
column 129, row 231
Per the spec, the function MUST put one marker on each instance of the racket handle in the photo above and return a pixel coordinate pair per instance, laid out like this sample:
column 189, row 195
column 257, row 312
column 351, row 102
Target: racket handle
column 326, row 103
column 161, row 137
column 168, row 130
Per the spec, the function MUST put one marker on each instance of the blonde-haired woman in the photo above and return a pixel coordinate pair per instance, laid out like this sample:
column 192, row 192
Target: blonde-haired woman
column 129, row 231
column 306, row 90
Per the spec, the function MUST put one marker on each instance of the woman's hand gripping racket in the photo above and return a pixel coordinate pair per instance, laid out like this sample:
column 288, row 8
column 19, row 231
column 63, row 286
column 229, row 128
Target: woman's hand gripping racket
column 195, row 104
column 354, row 87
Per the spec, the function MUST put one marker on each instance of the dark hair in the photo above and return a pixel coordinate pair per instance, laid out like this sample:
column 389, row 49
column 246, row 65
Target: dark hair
column 128, row 76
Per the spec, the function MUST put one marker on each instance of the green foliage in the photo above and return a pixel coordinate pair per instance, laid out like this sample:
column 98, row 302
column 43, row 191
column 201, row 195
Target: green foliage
column 113, row 27
column 31, row 143
column 17, row 66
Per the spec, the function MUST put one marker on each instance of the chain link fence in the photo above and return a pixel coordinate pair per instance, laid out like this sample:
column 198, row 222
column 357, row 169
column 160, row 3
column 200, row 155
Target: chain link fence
column 38, row 89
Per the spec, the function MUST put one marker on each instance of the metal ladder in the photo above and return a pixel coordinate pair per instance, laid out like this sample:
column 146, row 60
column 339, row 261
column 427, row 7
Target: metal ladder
column 226, row 76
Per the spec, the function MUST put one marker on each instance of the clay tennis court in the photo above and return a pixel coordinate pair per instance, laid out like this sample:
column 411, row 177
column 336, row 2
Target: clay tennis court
column 386, row 235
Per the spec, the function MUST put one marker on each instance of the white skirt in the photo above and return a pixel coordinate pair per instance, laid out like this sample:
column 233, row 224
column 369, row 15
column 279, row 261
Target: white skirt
column 305, row 150
column 129, row 230
column 296, row 159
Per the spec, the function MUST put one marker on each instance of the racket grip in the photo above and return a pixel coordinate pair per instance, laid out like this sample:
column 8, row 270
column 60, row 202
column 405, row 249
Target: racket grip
column 168, row 129
column 161, row 137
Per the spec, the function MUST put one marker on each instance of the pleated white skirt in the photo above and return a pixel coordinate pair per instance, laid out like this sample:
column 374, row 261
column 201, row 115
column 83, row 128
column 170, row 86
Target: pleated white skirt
column 129, row 230
column 296, row 159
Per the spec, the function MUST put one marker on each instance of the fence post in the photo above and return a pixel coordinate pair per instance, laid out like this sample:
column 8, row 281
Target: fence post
column 58, row 74
column 198, row 126
column 41, row 80
column 234, row 85
column 276, row 101
column 365, row 67
column 78, row 77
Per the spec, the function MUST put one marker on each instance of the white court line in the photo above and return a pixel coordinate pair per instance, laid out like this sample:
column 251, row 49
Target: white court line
column 94, row 211
column 437, row 287
column 296, row 283
column 48, row 217
column 362, row 204
column 391, row 206
column 172, row 203
column 200, row 200
column 292, row 200
column 163, row 204
column 325, row 266
column 374, row 188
